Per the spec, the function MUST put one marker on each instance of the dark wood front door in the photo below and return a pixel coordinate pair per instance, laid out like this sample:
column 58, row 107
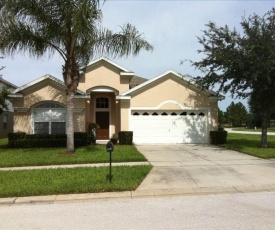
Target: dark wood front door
column 102, row 119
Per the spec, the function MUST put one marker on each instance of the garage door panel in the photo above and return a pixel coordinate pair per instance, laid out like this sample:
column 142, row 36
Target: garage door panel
column 169, row 129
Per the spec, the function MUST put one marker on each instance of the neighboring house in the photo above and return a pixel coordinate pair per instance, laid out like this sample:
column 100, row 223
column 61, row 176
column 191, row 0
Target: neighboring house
column 6, row 118
column 165, row 109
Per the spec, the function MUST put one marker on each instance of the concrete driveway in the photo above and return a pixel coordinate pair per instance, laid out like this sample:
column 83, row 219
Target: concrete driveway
column 203, row 168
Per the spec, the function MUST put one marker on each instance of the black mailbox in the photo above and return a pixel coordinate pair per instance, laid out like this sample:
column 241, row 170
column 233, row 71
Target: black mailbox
column 109, row 146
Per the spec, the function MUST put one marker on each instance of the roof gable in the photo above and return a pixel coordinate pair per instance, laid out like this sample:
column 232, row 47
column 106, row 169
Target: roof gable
column 97, row 61
column 185, row 80
column 7, row 83
column 40, row 80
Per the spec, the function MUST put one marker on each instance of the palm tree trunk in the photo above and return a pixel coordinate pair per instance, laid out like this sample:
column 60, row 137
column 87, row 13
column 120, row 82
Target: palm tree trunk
column 264, row 129
column 70, row 122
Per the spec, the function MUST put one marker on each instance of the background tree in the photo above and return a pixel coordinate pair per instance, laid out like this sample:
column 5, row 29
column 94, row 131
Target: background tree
column 237, row 114
column 222, row 117
column 70, row 27
column 3, row 95
column 255, row 110
column 242, row 63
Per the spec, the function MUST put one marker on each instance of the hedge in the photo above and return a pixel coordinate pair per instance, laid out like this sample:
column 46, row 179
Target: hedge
column 16, row 140
column 125, row 137
column 218, row 137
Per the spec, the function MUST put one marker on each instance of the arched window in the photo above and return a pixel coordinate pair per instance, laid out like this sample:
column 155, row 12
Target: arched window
column 164, row 114
column 136, row 114
column 192, row 114
column 183, row 114
column 155, row 114
column 145, row 114
column 102, row 103
column 173, row 114
column 201, row 114
column 49, row 118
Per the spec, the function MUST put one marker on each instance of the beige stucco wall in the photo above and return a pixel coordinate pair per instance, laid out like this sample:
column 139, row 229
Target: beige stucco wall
column 214, row 115
column 44, row 92
column 124, row 114
column 22, row 122
column 170, row 93
column 169, row 88
column 103, row 74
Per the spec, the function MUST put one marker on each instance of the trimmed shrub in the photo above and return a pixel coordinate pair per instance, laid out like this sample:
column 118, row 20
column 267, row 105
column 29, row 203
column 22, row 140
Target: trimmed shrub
column 45, row 136
column 125, row 137
column 34, row 143
column 83, row 138
column 218, row 137
column 16, row 136
column 48, row 140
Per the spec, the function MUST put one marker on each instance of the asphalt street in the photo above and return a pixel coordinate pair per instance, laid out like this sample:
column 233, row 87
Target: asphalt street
column 222, row 211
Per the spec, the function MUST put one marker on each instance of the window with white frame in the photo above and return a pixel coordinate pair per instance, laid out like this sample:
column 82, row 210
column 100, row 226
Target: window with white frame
column 49, row 118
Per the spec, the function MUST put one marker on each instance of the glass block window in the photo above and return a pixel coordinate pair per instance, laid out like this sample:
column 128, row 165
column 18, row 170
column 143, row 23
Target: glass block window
column 102, row 103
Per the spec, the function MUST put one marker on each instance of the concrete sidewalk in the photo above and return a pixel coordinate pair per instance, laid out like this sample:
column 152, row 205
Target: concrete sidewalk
column 74, row 166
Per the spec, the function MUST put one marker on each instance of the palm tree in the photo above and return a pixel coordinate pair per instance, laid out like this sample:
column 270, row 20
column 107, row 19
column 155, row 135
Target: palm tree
column 70, row 27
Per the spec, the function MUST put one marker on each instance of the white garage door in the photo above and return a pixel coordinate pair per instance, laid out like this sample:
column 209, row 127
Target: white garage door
column 169, row 127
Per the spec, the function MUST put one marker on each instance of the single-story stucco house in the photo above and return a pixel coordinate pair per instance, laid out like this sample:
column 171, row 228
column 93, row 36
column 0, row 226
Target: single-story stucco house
column 6, row 118
column 165, row 109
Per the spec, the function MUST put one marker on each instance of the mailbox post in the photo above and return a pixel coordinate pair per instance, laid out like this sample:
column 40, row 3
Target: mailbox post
column 110, row 149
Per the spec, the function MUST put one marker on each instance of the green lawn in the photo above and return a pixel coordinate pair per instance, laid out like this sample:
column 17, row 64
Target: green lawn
column 53, row 156
column 250, row 144
column 70, row 180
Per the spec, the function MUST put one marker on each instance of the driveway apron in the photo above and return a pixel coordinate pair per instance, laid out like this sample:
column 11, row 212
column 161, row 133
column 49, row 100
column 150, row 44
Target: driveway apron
column 194, row 167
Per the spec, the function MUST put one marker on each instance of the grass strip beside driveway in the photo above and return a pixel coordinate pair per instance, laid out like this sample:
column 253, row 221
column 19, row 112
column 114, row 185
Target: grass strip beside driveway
column 53, row 156
column 70, row 180
column 250, row 144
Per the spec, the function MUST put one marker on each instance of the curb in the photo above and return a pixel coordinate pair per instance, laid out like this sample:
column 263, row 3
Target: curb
column 54, row 199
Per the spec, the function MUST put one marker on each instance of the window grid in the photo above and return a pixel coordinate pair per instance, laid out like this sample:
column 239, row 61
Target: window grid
column 102, row 103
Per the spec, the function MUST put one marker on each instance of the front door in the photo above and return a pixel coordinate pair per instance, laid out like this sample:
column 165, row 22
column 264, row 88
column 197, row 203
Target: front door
column 102, row 119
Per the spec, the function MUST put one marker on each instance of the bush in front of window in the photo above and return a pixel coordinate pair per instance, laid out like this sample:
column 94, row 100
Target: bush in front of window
column 47, row 140
column 45, row 136
column 16, row 136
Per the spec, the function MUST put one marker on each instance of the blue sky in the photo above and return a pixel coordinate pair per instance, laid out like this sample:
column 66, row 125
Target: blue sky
column 172, row 27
